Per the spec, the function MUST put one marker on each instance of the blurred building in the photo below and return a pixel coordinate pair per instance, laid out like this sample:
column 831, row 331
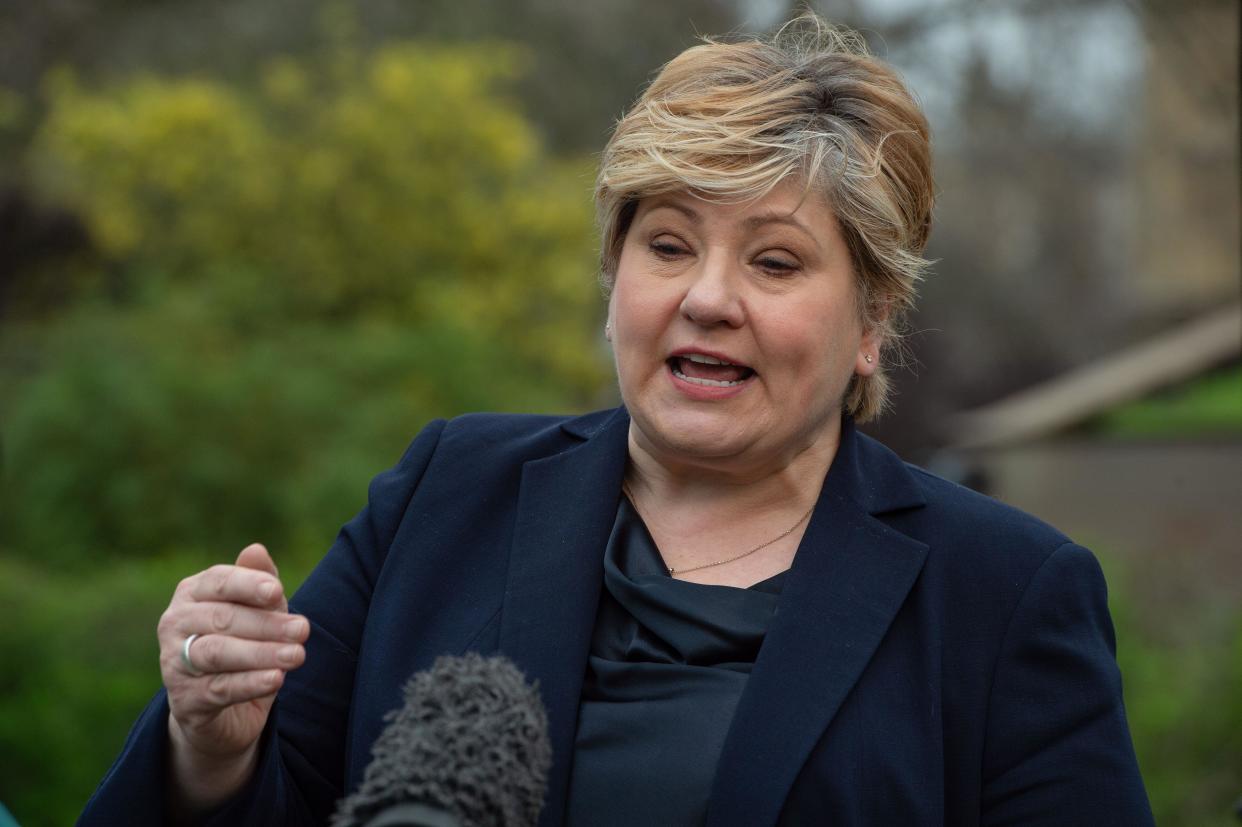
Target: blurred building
column 1187, row 172
column 1171, row 496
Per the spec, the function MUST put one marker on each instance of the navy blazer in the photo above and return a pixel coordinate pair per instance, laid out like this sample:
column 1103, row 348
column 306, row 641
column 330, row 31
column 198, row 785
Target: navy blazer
column 936, row 657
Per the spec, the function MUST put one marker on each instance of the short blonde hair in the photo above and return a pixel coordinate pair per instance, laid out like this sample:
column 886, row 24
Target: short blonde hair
column 730, row 121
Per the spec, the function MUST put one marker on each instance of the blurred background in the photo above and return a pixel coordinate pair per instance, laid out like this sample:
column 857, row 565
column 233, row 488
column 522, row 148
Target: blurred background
column 249, row 247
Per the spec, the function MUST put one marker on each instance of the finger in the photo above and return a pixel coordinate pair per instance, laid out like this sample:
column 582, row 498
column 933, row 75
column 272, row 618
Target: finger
column 223, row 653
column 255, row 556
column 237, row 620
column 237, row 584
column 215, row 692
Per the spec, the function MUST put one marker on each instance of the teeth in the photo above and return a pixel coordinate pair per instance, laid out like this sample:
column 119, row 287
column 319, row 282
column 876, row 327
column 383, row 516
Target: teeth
column 711, row 383
column 704, row 360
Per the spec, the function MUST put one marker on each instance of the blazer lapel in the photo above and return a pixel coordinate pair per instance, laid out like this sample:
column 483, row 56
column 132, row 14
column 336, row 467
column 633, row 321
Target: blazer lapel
column 566, row 509
column 849, row 578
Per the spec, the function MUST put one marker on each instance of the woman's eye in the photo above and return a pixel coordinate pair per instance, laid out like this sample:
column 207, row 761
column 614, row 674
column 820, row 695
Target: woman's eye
column 779, row 266
column 666, row 249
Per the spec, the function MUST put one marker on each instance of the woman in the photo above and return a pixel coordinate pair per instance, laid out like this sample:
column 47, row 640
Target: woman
column 739, row 610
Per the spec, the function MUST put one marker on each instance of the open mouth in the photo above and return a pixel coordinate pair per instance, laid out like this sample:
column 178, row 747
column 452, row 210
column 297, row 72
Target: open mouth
column 708, row 370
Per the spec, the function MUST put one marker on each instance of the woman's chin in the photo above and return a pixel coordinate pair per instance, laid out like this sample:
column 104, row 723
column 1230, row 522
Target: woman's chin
column 699, row 435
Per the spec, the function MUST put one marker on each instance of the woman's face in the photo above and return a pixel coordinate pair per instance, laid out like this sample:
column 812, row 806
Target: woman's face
column 736, row 328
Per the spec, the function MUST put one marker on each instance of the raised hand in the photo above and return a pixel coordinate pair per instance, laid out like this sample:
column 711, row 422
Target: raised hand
column 226, row 642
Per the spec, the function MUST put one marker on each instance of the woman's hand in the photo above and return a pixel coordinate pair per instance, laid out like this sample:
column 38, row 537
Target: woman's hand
column 220, row 699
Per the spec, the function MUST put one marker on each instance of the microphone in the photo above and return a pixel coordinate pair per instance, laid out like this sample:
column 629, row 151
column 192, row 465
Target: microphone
column 469, row 748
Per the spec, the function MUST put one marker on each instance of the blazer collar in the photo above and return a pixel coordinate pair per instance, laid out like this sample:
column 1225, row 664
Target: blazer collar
column 849, row 578
column 566, row 508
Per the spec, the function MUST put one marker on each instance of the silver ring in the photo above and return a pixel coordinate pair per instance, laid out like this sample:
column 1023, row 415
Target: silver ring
column 185, row 656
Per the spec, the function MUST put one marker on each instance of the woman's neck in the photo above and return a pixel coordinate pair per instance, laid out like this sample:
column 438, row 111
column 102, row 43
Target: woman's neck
column 758, row 482
column 700, row 512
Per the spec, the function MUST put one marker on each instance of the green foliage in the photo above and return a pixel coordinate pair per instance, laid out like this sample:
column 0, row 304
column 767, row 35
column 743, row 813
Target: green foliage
column 159, row 427
column 1209, row 406
column 289, row 280
column 1183, row 690
column 294, row 278
column 402, row 186
column 81, row 662
column 79, row 655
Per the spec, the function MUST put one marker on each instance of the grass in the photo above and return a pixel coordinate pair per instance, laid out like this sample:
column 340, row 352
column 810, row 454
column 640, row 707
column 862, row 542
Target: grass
column 1207, row 407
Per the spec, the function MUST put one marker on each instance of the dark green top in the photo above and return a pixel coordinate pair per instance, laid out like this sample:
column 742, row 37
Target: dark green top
column 668, row 663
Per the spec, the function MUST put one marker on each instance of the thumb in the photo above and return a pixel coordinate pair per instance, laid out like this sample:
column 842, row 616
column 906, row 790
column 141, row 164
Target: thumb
column 255, row 556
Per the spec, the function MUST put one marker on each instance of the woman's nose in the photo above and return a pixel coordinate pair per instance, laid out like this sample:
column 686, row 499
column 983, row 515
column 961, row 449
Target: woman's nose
column 711, row 296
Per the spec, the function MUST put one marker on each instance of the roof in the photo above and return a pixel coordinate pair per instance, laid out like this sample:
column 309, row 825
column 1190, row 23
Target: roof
column 1174, row 356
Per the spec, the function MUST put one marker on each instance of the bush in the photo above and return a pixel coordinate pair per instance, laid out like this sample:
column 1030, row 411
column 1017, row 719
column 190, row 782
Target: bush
column 288, row 279
column 1183, row 688
column 153, row 429
column 403, row 186
column 80, row 662
column 293, row 278
column 87, row 661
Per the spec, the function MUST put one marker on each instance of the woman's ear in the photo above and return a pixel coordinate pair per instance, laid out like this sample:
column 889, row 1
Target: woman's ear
column 868, row 355
column 868, row 361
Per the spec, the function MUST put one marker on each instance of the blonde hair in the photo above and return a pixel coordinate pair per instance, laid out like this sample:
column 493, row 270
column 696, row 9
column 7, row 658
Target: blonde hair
column 730, row 121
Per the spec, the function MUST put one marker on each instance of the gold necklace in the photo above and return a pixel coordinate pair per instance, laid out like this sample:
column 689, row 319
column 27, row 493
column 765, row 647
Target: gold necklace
column 625, row 488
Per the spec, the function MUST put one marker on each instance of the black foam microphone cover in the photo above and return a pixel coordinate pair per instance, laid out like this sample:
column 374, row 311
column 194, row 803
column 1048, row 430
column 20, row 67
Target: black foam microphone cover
column 469, row 748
